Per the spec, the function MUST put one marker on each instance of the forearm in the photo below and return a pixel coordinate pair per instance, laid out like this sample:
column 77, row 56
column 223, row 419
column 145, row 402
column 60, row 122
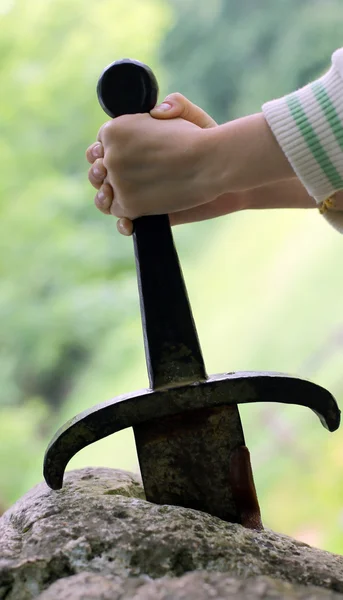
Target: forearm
column 282, row 194
column 292, row 153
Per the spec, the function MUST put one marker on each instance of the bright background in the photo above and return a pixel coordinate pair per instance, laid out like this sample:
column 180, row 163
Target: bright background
column 266, row 287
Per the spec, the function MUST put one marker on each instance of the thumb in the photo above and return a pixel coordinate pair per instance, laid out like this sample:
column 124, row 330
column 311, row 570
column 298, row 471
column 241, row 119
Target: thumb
column 177, row 106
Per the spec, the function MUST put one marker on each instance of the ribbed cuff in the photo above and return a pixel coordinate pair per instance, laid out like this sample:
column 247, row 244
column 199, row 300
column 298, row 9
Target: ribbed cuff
column 308, row 126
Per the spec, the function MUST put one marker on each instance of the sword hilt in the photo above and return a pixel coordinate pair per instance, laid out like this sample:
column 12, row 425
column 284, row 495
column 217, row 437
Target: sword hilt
column 172, row 348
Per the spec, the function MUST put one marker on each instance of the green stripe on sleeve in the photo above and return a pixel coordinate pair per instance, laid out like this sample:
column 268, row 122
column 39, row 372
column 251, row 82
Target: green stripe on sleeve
column 312, row 141
column 329, row 111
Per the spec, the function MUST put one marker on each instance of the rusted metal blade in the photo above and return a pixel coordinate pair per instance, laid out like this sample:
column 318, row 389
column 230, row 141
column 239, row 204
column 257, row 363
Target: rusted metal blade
column 184, row 459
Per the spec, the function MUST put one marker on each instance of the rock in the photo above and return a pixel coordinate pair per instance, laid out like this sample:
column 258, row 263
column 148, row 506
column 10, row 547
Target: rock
column 194, row 586
column 98, row 533
column 90, row 586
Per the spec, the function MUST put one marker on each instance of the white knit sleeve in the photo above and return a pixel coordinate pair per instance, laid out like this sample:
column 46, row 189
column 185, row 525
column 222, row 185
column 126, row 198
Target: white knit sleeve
column 308, row 125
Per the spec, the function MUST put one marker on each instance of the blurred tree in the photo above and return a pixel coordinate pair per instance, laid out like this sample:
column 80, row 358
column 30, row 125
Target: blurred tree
column 229, row 56
column 64, row 271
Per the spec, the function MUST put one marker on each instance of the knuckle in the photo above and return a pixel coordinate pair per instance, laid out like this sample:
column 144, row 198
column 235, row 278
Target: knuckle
column 113, row 161
column 98, row 204
column 106, row 132
column 97, row 150
column 93, row 181
column 177, row 96
column 102, row 202
column 185, row 104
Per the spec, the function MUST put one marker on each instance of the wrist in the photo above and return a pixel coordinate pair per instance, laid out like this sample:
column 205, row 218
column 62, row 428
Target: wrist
column 244, row 154
column 208, row 180
column 282, row 194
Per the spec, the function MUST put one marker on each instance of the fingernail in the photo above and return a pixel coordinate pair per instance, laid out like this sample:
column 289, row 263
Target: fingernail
column 98, row 172
column 97, row 151
column 101, row 196
column 163, row 107
column 125, row 226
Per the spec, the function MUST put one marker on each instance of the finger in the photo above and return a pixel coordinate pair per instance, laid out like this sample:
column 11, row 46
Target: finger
column 125, row 226
column 176, row 105
column 105, row 131
column 94, row 151
column 97, row 173
column 104, row 198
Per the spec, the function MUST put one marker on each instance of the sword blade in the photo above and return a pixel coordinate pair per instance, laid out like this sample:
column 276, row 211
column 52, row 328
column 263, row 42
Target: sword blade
column 184, row 459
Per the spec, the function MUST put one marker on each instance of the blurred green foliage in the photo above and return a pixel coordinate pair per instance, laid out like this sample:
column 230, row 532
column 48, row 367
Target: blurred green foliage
column 66, row 276
column 230, row 56
column 265, row 287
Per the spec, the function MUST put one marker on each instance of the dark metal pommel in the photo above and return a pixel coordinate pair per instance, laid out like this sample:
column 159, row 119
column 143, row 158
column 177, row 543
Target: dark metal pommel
column 127, row 87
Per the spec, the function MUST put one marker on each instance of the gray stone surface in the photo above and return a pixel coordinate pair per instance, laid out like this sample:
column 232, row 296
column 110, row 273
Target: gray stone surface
column 193, row 586
column 90, row 586
column 99, row 531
